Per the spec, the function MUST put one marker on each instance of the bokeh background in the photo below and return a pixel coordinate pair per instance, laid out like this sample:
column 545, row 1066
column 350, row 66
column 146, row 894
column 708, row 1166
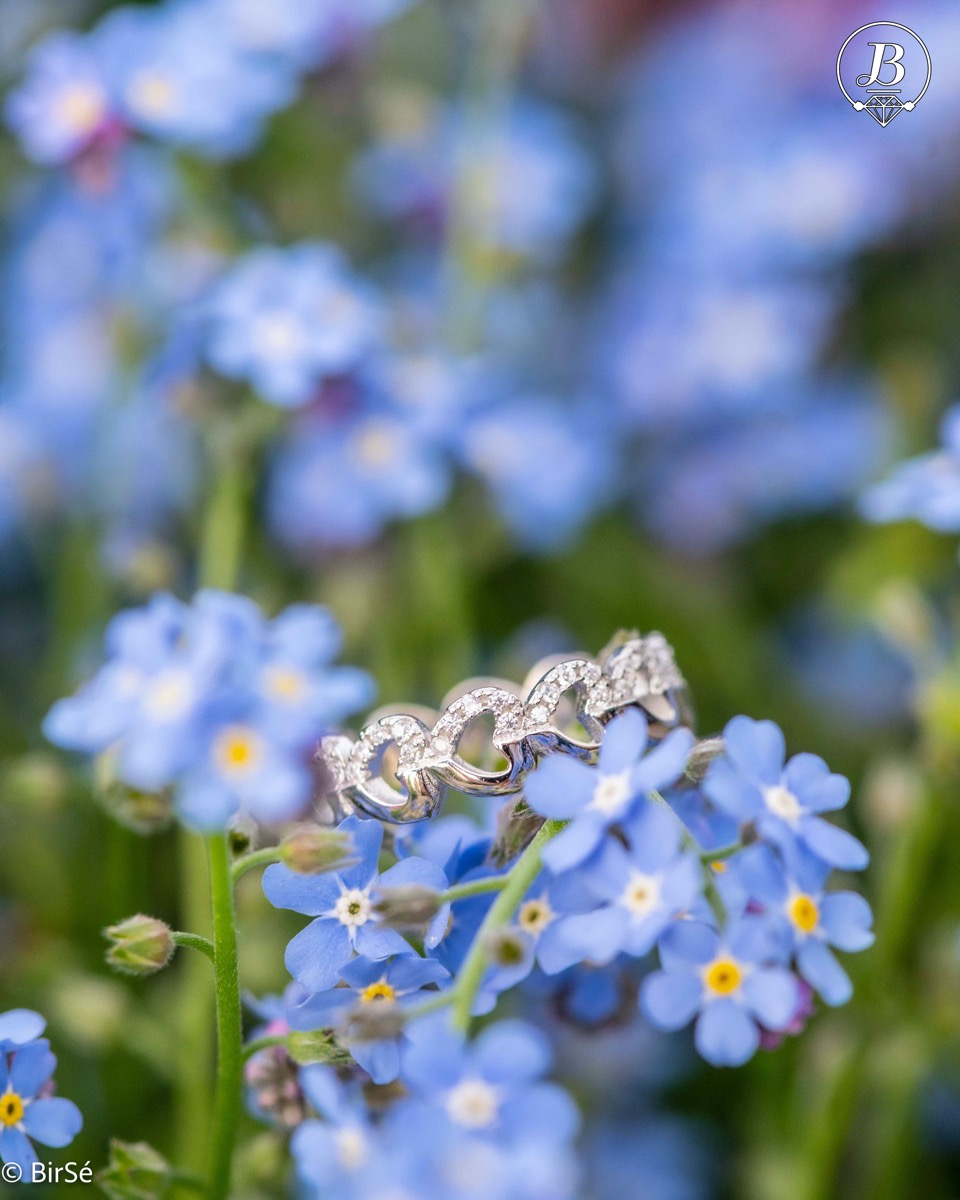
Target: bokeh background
column 653, row 307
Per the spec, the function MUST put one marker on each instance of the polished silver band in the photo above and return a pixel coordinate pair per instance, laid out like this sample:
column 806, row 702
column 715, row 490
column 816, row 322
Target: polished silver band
column 641, row 672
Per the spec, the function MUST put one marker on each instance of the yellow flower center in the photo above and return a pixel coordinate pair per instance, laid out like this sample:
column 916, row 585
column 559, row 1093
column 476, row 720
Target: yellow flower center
column 153, row 93
column 723, row 976
column 641, row 896
column 804, row 913
column 82, row 107
column 238, row 750
column 11, row 1109
column 534, row 916
column 283, row 683
column 377, row 991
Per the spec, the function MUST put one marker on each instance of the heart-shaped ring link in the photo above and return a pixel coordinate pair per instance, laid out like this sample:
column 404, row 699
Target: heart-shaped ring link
column 639, row 672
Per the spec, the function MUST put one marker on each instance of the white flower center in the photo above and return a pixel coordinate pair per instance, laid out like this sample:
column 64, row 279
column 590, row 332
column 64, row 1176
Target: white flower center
column 782, row 802
column 278, row 335
column 534, row 916
column 612, row 793
column 170, row 696
column 351, row 1147
column 474, row 1104
column 353, row 908
column 152, row 93
column 82, row 107
column 285, row 684
column 641, row 896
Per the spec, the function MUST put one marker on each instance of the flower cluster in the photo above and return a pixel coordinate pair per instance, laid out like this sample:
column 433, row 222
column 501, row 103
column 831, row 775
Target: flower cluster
column 738, row 937
column 216, row 703
column 29, row 1110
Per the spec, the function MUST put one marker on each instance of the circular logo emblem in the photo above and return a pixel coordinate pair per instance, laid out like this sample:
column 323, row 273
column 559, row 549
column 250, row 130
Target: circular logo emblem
column 884, row 69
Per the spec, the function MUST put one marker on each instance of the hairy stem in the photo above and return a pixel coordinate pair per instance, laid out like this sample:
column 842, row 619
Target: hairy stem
column 476, row 887
column 195, row 942
column 517, row 882
column 229, row 1020
column 258, row 858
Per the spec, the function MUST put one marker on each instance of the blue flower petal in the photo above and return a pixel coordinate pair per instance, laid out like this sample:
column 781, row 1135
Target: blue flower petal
column 730, row 791
column 511, row 1052
column 560, row 788
column 376, row 941
column 771, row 995
column 756, row 749
column 320, row 1011
column 822, row 971
column 53, row 1122
column 435, row 1055
column 32, row 1067
column 725, row 1035
column 21, row 1025
column 834, row 845
column 574, row 845
column 664, row 765
column 312, row 895
column 367, row 838
column 544, row 1112
column 380, row 1060
column 670, row 999
column 624, row 740
column 14, row 1148
column 314, row 957
column 845, row 918
column 688, row 943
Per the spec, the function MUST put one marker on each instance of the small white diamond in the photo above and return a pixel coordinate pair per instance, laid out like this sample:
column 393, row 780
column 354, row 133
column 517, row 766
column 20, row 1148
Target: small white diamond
column 539, row 714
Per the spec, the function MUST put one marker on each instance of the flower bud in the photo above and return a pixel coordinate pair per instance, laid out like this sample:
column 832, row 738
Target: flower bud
column 141, row 812
column 135, row 1172
column 701, row 756
column 375, row 1022
column 517, row 826
column 139, row 945
column 319, row 1046
column 311, row 849
column 409, row 908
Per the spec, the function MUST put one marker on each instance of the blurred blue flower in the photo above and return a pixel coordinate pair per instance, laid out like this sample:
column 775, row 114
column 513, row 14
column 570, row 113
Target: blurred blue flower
column 19, row 1026
column 732, row 984
column 594, row 798
column 342, row 485
column 285, row 320
column 548, row 467
column 527, row 184
column 490, row 1086
column 64, row 102
column 332, row 1153
column 398, row 982
column 212, row 700
column 28, row 1112
column 342, row 905
column 784, row 801
column 926, row 489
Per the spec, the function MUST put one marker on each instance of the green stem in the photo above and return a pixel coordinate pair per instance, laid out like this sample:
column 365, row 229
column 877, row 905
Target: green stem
column 195, row 1010
column 518, row 881
column 264, row 1043
column 712, row 856
column 477, row 887
column 195, row 942
column 258, row 858
column 229, row 1019
column 434, row 1004
column 221, row 538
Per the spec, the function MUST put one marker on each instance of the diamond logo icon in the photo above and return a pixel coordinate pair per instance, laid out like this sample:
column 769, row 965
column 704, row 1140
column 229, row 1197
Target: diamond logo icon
column 884, row 108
